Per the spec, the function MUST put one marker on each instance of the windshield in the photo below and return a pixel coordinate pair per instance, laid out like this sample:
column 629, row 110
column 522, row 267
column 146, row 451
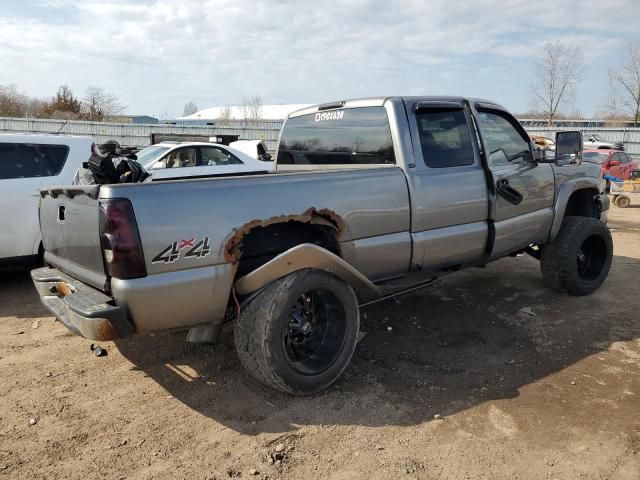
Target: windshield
column 148, row 155
column 596, row 137
column 595, row 156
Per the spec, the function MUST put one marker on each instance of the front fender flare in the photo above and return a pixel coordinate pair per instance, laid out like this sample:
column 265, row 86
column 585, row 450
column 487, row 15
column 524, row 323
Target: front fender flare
column 308, row 256
column 562, row 199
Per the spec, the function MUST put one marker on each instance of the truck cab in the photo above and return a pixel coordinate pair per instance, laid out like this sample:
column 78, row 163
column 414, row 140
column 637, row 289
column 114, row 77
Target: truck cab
column 477, row 192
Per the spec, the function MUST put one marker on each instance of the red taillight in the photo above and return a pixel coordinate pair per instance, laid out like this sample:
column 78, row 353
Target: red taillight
column 120, row 240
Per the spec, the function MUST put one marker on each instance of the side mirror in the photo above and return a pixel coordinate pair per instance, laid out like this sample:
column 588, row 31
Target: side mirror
column 568, row 148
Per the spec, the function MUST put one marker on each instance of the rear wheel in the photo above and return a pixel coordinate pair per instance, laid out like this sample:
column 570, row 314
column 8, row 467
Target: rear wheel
column 299, row 333
column 623, row 201
column 578, row 260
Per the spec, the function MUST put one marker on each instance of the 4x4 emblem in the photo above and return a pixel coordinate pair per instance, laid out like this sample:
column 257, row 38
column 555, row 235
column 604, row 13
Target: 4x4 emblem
column 174, row 251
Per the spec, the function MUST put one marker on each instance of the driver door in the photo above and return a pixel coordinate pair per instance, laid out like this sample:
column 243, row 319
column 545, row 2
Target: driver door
column 508, row 148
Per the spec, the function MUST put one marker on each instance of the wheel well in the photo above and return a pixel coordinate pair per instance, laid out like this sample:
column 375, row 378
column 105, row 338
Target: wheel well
column 581, row 204
column 262, row 244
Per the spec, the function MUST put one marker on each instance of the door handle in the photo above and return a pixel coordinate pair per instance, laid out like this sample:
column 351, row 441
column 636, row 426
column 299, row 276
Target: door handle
column 507, row 192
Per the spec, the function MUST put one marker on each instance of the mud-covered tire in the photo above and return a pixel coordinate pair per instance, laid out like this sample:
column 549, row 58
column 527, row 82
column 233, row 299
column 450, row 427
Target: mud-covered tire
column 270, row 325
column 578, row 260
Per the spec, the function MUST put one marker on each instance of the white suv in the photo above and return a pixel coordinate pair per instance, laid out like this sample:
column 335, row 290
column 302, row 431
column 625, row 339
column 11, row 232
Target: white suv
column 28, row 163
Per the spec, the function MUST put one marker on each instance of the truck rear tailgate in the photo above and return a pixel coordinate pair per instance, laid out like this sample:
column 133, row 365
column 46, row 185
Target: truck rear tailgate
column 69, row 221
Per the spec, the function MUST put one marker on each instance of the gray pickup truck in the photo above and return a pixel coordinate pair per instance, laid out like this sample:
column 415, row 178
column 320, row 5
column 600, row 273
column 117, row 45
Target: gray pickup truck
column 371, row 198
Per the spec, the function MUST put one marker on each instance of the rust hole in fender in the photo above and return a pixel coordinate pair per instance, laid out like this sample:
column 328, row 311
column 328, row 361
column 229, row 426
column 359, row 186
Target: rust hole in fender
column 325, row 216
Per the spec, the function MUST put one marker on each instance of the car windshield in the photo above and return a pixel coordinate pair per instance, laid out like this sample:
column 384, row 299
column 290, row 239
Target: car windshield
column 596, row 137
column 595, row 156
column 148, row 155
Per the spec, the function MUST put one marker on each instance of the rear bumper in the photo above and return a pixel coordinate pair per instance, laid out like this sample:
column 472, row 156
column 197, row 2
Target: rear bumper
column 84, row 310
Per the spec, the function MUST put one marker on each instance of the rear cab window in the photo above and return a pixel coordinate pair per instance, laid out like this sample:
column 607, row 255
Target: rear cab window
column 342, row 137
column 445, row 138
column 23, row 160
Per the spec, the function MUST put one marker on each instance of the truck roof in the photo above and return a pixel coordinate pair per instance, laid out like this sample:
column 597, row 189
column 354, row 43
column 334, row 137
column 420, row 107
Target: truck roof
column 379, row 101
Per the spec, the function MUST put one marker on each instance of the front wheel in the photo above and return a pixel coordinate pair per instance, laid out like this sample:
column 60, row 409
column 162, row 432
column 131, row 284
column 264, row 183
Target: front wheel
column 578, row 260
column 299, row 333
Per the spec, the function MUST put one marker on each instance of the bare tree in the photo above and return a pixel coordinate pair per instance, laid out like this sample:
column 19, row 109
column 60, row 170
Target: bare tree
column 226, row 116
column 34, row 107
column 628, row 79
column 612, row 109
column 558, row 74
column 252, row 108
column 100, row 105
column 189, row 109
column 165, row 116
column 12, row 102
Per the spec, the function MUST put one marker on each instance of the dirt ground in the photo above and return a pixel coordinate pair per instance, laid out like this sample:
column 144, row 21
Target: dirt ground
column 455, row 382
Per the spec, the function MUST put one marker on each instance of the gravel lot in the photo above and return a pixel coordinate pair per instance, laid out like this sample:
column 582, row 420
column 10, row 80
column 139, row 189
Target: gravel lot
column 464, row 384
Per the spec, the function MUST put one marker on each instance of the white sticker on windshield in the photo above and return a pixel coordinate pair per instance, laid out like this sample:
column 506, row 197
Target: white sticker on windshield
column 333, row 115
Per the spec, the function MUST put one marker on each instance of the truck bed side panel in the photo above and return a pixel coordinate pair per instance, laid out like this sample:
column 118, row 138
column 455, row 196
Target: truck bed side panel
column 366, row 203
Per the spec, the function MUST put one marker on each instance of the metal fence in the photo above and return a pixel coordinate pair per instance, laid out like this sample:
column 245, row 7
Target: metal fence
column 140, row 135
column 630, row 137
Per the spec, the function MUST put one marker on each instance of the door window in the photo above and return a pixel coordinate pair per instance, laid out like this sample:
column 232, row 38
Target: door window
column 445, row 138
column 215, row 156
column 19, row 160
column 181, row 158
column 502, row 139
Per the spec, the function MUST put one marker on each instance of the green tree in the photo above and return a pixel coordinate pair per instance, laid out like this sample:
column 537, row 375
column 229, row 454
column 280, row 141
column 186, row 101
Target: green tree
column 63, row 105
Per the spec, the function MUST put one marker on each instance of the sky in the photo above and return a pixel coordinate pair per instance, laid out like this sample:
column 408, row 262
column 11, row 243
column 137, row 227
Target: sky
column 156, row 55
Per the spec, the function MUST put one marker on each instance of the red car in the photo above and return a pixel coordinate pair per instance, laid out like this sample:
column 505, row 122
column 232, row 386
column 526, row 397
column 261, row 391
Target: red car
column 613, row 162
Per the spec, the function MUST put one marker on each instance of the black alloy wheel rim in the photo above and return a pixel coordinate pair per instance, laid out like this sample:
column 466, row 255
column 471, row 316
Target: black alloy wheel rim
column 591, row 257
column 313, row 336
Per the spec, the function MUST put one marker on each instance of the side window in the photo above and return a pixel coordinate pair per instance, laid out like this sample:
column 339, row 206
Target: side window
column 181, row 158
column 19, row 160
column 445, row 138
column 212, row 156
column 350, row 136
column 502, row 139
column 624, row 158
